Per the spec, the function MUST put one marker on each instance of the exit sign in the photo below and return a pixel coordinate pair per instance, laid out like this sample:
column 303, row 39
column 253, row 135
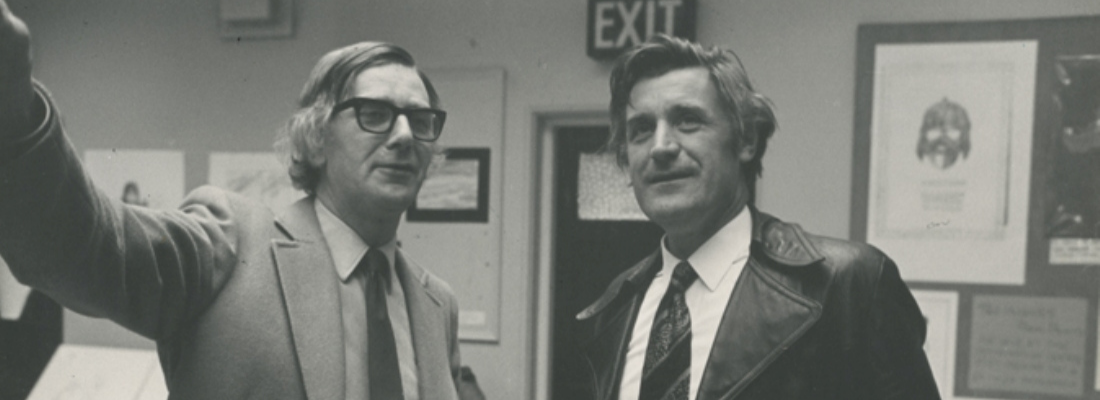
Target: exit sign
column 615, row 26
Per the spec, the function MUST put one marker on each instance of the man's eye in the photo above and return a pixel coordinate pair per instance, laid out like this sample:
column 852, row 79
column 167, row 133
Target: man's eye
column 375, row 116
column 689, row 123
column 639, row 130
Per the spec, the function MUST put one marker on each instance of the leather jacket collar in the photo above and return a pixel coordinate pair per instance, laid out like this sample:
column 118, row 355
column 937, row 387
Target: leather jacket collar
column 783, row 243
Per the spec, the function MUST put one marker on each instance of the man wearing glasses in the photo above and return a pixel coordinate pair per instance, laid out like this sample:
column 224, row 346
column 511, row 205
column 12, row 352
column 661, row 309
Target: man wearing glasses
column 316, row 303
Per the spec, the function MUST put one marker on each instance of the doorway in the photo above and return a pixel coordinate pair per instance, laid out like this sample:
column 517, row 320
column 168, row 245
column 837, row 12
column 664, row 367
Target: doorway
column 591, row 243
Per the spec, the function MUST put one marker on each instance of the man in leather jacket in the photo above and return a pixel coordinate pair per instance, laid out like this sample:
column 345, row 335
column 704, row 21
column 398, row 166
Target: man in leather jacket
column 736, row 304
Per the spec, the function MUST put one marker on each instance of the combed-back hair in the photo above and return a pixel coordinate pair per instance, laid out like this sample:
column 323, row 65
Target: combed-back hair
column 332, row 81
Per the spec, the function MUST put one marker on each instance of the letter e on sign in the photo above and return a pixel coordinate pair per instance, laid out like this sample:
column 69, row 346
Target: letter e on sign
column 615, row 26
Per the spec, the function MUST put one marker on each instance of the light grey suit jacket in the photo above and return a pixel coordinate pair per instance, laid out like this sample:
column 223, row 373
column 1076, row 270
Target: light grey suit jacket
column 242, row 305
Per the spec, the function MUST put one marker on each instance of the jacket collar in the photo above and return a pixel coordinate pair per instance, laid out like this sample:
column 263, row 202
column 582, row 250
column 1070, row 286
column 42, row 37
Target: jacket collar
column 783, row 243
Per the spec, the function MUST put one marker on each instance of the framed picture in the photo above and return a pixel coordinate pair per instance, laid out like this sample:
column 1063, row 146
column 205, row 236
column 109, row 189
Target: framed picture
column 456, row 189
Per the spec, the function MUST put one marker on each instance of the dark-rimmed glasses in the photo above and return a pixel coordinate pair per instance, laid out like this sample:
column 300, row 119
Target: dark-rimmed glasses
column 378, row 116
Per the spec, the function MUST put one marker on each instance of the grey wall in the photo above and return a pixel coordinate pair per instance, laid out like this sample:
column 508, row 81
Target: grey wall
column 155, row 74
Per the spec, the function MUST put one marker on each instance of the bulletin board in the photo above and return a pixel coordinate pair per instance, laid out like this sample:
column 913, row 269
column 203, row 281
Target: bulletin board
column 976, row 167
column 460, row 240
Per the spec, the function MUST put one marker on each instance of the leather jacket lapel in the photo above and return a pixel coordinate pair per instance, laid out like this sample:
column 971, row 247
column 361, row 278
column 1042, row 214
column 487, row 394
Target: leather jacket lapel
column 616, row 311
column 750, row 337
column 308, row 280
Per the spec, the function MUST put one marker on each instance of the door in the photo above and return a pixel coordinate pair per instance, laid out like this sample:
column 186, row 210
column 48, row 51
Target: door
column 589, row 252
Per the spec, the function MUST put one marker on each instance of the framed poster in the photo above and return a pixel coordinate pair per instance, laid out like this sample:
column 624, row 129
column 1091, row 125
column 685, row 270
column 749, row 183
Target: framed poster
column 950, row 158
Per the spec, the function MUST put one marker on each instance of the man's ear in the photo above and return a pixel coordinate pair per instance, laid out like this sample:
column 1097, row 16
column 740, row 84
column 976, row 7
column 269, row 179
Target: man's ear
column 748, row 145
column 316, row 156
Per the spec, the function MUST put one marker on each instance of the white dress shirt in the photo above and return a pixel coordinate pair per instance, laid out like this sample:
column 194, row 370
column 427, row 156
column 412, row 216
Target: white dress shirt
column 347, row 248
column 718, row 262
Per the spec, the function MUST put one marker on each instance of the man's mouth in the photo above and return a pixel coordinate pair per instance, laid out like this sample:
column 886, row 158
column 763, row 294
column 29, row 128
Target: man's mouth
column 666, row 176
column 398, row 167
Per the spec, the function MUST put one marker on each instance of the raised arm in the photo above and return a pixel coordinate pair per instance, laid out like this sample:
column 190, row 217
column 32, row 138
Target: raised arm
column 151, row 271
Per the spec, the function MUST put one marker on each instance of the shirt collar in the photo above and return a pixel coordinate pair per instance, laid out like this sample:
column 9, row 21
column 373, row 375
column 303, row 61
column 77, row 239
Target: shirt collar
column 346, row 247
column 714, row 259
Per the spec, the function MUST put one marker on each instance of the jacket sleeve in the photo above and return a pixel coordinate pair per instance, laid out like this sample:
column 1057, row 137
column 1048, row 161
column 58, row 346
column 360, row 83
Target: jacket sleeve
column 896, row 340
column 150, row 271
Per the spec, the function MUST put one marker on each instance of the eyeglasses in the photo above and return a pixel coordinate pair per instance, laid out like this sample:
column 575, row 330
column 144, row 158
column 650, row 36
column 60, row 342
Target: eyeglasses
column 378, row 116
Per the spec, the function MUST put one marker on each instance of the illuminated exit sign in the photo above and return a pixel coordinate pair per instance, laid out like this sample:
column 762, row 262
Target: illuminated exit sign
column 617, row 25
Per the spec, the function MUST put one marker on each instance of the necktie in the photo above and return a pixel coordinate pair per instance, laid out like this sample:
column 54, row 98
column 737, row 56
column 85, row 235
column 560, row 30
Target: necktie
column 382, row 368
column 667, row 370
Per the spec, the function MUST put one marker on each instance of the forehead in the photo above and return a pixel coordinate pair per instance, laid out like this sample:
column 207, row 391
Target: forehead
column 691, row 87
column 399, row 84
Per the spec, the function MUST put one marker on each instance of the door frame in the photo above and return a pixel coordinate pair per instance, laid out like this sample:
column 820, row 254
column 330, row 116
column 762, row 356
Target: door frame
column 546, row 123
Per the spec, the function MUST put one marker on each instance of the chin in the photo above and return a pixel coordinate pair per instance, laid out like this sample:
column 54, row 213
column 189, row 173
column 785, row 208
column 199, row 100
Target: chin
column 666, row 212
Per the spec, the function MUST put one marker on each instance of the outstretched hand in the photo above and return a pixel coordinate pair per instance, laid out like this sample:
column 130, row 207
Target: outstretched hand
column 16, row 92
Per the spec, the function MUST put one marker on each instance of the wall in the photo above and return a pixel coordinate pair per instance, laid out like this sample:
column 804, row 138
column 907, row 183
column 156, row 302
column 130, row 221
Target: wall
column 154, row 74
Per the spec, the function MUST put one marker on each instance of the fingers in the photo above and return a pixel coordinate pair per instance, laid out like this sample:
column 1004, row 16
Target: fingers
column 16, row 92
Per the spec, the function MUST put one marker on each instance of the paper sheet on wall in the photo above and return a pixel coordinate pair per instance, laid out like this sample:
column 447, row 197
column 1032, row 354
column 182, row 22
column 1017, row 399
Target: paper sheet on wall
column 259, row 176
column 940, row 311
column 78, row 372
column 951, row 159
column 1028, row 345
column 149, row 178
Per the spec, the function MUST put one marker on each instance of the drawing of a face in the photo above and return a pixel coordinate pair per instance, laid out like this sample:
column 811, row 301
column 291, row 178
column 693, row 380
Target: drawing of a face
column 944, row 134
column 131, row 194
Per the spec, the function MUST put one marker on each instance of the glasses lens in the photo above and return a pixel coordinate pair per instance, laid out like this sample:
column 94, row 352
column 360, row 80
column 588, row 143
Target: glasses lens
column 425, row 124
column 375, row 116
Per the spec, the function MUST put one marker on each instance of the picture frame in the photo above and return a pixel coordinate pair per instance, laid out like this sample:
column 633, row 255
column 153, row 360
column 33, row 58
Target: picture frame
column 456, row 189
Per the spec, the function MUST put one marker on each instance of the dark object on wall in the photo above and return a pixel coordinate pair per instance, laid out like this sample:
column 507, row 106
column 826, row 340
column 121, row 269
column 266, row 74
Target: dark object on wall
column 1075, row 188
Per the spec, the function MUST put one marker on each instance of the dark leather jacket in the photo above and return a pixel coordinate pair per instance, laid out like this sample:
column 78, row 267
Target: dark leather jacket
column 810, row 318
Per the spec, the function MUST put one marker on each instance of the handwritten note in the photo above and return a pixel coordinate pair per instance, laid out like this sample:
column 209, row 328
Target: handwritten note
column 1028, row 345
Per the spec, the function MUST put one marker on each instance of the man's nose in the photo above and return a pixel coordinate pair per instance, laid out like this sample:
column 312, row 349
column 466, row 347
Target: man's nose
column 401, row 134
column 666, row 145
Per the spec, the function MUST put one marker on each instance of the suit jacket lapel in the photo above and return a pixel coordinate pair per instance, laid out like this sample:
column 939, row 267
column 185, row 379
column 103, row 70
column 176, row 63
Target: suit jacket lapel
column 427, row 318
column 309, row 284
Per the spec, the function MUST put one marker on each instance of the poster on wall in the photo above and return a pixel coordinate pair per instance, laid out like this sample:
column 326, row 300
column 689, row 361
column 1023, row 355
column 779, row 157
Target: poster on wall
column 941, row 310
column 147, row 178
column 259, row 176
column 951, row 127
column 1073, row 215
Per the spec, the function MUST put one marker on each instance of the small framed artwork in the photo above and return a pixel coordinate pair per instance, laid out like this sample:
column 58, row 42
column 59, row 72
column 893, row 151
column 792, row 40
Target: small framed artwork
column 456, row 189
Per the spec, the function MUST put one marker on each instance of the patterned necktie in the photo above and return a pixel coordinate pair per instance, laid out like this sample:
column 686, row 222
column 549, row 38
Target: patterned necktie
column 667, row 371
column 383, row 374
